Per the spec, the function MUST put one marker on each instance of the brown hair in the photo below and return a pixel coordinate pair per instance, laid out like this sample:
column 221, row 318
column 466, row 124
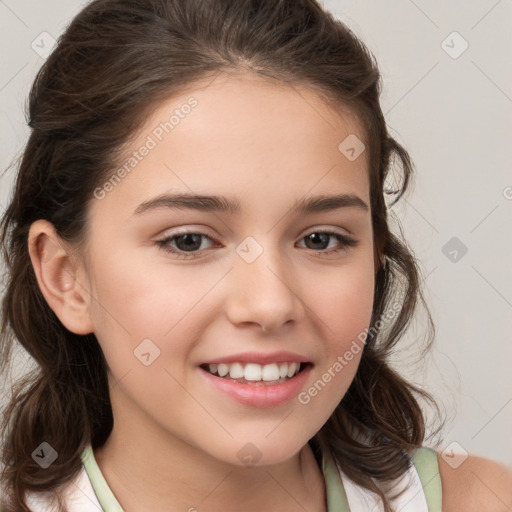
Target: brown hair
column 113, row 64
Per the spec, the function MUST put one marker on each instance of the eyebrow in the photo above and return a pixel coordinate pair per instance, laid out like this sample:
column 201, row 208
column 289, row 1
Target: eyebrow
column 221, row 204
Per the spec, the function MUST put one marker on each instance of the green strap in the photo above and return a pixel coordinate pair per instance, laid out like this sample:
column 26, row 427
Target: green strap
column 425, row 462
column 103, row 492
column 427, row 466
column 336, row 497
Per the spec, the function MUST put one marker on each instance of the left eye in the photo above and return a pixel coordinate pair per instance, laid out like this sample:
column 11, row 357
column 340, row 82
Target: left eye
column 321, row 237
column 186, row 245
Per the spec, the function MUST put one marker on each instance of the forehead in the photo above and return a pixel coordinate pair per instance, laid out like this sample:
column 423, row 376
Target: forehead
column 247, row 135
column 248, row 108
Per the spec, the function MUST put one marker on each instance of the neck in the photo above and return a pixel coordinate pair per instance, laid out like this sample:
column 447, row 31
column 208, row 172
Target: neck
column 174, row 476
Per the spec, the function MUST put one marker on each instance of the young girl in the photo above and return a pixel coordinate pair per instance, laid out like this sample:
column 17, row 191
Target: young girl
column 200, row 263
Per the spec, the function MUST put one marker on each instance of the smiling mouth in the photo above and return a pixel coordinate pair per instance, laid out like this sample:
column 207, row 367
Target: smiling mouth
column 251, row 373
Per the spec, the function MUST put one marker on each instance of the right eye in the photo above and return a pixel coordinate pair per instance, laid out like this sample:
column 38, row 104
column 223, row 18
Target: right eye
column 190, row 243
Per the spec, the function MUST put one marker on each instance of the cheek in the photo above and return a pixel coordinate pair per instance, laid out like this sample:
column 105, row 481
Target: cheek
column 345, row 310
column 345, row 304
column 144, row 299
column 135, row 302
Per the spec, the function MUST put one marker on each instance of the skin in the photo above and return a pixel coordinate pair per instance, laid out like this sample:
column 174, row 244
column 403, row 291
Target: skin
column 477, row 484
column 267, row 145
column 175, row 439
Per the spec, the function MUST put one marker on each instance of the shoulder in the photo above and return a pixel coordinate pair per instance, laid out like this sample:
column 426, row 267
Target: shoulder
column 477, row 485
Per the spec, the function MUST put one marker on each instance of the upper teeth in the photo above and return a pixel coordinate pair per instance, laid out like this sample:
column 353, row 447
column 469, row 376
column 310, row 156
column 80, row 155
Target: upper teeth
column 253, row 371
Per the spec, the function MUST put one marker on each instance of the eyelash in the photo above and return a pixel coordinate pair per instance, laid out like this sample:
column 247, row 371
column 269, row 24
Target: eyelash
column 346, row 243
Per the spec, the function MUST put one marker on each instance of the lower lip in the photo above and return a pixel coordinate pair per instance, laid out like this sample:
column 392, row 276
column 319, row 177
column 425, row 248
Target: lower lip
column 260, row 395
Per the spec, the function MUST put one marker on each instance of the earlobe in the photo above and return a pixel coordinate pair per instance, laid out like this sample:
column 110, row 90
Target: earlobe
column 57, row 278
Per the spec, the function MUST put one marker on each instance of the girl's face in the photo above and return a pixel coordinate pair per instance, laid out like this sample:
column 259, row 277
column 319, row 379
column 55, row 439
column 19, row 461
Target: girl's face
column 247, row 284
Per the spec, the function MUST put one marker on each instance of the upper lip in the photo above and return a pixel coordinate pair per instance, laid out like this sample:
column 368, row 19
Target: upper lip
column 260, row 358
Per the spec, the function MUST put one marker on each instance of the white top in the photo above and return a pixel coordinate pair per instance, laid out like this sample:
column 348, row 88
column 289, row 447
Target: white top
column 79, row 496
column 413, row 499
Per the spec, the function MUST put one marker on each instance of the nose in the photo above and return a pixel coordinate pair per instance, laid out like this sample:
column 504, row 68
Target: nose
column 264, row 292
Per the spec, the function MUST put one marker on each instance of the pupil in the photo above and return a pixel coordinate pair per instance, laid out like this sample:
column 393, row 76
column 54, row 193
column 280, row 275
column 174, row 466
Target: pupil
column 315, row 236
column 188, row 237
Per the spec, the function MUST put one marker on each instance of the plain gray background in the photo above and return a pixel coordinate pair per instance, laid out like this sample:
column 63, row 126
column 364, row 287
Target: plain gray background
column 451, row 107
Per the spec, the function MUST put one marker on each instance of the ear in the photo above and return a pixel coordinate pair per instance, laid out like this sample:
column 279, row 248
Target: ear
column 58, row 279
